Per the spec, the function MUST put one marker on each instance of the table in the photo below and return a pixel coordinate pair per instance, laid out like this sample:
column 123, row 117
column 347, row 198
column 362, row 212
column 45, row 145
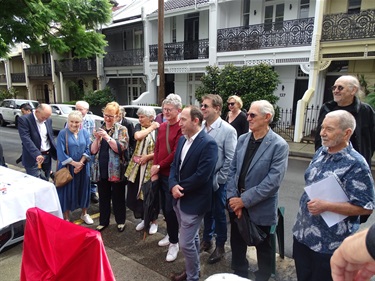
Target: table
column 23, row 192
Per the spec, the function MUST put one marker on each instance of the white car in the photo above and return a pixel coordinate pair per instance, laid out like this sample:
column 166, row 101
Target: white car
column 60, row 114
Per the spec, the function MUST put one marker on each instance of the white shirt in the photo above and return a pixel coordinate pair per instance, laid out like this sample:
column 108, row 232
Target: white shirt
column 186, row 147
column 44, row 144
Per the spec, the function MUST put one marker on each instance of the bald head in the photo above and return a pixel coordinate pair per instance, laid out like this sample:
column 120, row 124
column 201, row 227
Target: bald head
column 43, row 112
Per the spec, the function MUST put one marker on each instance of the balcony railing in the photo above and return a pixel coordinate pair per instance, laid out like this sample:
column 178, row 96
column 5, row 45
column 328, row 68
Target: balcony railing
column 18, row 77
column 349, row 26
column 182, row 50
column 39, row 70
column 290, row 33
column 124, row 58
column 73, row 66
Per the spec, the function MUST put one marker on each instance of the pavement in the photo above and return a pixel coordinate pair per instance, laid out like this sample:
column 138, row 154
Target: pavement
column 134, row 258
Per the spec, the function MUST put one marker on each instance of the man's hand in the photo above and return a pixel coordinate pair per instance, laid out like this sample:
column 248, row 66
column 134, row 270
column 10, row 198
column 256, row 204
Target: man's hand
column 236, row 204
column 40, row 159
column 316, row 206
column 176, row 191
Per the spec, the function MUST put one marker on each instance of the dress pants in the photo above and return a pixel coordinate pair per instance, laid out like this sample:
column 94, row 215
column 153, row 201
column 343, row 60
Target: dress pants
column 189, row 241
column 46, row 168
column 310, row 265
column 265, row 253
column 115, row 191
column 215, row 221
column 169, row 213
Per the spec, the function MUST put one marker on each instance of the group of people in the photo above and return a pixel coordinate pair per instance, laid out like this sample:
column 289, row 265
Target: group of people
column 204, row 165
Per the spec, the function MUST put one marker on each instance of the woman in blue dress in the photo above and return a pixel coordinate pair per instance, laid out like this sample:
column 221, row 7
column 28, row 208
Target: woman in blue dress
column 75, row 194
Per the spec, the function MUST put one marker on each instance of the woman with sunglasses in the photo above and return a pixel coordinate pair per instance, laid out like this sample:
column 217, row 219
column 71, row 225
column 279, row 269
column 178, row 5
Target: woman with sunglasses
column 236, row 117
column 111, row 140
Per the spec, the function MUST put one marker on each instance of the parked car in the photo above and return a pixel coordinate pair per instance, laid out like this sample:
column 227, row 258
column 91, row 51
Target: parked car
column 60, row 114
column 131, row 112
column 10, row 110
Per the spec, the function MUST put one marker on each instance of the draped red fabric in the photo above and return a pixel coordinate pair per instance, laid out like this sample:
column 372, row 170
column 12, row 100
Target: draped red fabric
column 55, row 249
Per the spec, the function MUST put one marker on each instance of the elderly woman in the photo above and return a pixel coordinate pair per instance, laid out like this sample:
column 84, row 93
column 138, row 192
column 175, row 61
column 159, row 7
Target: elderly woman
column 111, row 140
column 236, row 117
column 139, row 169
column 73, row 151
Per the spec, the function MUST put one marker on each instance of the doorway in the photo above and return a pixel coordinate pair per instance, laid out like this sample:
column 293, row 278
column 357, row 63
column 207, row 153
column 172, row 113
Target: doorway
column 191, row 42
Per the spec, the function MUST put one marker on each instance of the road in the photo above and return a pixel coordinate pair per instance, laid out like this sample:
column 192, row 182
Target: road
column 290, row 192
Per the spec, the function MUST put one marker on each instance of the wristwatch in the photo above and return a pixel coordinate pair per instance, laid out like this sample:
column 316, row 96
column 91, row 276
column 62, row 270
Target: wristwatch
column 109, row 140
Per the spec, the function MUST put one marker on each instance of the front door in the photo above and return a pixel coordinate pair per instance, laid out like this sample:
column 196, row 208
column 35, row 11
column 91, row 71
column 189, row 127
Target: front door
column 191, row 42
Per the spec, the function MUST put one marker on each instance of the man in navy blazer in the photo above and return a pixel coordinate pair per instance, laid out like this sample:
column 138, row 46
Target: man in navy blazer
column 191, row 185
column 38, row 144
column 257, row 170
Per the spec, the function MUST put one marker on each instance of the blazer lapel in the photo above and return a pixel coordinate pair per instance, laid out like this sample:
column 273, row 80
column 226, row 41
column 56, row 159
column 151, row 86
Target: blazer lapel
column 193, row 147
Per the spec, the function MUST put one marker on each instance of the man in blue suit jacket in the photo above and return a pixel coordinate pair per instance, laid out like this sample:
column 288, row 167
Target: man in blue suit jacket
column 191, row 184
column 38, row 144
column 258, row 167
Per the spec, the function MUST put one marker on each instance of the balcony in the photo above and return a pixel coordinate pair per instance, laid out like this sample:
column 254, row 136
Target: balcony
column 290, row 33
column 124, row 58
column 18, row 77
column 181, row 50
column 349, row 26
column 39, row 70
column 76, row 66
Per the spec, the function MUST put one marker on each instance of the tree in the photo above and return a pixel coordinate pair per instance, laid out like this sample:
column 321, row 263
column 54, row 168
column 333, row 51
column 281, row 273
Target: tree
column 63, row 25
column 251, row 83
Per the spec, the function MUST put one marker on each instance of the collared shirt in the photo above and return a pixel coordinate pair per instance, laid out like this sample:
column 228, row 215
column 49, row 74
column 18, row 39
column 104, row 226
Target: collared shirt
column 88, row 124
column 212, row 127
column 186, row 147
column 356, row 180
column 44, row 144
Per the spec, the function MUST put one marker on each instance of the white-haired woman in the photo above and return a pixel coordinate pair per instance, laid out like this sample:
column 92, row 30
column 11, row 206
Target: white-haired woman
column 73, row 151
column 139, row 169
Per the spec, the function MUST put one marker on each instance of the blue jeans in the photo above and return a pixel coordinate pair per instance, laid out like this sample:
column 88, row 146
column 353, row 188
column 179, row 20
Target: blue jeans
column 216, row 220
column 42, row 173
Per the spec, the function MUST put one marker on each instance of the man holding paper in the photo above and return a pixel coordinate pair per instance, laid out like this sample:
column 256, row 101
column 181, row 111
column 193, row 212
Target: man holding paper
column 315, row 237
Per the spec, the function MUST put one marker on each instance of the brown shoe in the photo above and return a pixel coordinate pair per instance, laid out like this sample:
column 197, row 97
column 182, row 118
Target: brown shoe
column 205, row 246
column 179, row 276
column 216, row 255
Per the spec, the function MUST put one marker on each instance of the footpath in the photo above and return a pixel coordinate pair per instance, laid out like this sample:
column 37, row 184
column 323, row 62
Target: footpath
column 133, row 258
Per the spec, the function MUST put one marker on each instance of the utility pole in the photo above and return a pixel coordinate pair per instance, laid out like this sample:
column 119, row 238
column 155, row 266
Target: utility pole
column 161, row 80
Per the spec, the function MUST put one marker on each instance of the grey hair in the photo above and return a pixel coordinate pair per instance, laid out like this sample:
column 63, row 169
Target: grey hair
column 83, row 103
column 75, row 114
column 146, row 111
column 345, row 118
column 353, row 82
column 174, row 100
column 265, row 107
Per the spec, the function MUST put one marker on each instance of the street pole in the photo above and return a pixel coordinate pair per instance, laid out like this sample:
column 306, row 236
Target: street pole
column 161, row 80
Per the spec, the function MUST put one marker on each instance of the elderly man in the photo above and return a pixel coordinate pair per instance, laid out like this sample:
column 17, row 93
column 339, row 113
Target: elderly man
column 258, row 167
column 345, row 96
column 314, row 241
column 226, row 138
column 38, row 144
column 191, row 185
column 88, row 124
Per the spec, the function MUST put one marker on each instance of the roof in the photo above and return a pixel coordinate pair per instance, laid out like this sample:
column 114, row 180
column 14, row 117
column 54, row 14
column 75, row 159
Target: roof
column 178, row 4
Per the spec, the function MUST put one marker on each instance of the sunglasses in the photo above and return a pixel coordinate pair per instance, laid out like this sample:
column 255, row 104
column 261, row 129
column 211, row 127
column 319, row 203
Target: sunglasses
column 339, row 88
column 204, row 105
column 251, row 115
column 231, row 103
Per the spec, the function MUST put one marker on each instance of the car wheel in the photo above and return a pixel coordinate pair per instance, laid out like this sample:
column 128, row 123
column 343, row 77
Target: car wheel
column 2, row 122
column 16, row 121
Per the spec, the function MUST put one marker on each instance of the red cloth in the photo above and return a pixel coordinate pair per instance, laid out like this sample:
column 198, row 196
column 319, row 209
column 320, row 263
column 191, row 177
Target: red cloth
column 55, row 249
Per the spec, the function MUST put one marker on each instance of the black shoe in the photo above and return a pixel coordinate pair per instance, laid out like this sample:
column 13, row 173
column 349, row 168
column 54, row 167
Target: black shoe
column 94, row 198
column 205, row 246
column 179, row 276
column 216, row 255
column 121, row 227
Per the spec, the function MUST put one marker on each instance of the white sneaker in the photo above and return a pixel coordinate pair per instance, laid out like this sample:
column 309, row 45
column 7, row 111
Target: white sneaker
column 140, row 226
column 164, row 242
column 87, row 219
column 153, row 229
column 172, row 252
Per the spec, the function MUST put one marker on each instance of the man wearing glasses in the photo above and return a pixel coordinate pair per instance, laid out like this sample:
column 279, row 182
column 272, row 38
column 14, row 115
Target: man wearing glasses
column 345, row 96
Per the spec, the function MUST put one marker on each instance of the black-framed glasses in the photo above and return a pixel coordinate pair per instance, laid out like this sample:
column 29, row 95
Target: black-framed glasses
column 204, row 105
column 168, row 109
column 108, row 116
column 339, row 88
column 231, row 103
column 251, row 115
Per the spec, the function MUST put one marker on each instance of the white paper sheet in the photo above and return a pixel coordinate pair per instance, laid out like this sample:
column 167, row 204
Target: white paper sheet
column 328, row 189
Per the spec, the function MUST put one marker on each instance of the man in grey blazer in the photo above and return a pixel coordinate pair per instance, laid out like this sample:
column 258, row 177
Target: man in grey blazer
column 226, row 138
column 258, row 167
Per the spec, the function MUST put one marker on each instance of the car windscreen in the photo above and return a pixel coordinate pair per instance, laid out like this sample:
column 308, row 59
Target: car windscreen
column 66, row 109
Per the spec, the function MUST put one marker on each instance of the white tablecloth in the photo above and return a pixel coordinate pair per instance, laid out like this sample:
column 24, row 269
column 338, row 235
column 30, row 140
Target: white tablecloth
column 24, row 192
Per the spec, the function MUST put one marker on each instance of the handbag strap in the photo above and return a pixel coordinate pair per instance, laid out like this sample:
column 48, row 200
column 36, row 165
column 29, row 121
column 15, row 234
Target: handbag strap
column 167, row 140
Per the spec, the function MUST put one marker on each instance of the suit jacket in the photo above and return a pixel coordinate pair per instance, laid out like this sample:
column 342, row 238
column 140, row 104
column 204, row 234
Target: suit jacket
column 196, row 174
column 225, row 136
column 263, row 179
column 31, row 140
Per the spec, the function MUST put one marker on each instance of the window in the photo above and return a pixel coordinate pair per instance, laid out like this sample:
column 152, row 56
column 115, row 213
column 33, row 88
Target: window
column 354, row 6
column 304, row 9
column 173, row 30
column 274, row 13
column 246, row 12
